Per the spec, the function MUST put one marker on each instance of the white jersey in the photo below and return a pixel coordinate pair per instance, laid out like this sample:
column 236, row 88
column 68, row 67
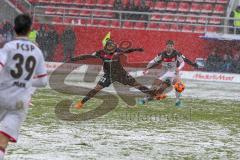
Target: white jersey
column 21, row 61
column 169, row 61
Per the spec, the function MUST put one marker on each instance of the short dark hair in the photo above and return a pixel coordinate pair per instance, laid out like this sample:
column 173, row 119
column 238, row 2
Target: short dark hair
column 171, row 42
column 22, row 24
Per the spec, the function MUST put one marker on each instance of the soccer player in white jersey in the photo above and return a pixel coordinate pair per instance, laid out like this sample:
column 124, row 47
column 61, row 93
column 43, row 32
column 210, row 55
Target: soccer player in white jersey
column 172, row 62
column 22, row 67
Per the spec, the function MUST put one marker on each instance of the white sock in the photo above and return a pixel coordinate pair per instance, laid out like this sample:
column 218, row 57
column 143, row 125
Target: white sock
column 2, row 153
column 177, row 96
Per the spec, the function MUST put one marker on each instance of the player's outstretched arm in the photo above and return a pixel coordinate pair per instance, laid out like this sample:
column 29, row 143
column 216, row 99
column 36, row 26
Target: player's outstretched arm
column 130, row 50
column 85, row 56
column 189, row 62
column 157, row 60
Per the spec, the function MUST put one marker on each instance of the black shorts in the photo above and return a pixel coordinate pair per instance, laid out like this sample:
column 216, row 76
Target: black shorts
column 125, row 79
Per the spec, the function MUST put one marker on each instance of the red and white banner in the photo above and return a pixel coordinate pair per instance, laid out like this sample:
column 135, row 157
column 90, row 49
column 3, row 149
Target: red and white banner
column 211, row 76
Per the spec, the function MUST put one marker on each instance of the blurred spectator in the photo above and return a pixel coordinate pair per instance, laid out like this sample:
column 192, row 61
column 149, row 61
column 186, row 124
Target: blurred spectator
column 131, row 7
column 52, row 41
column 32, row 36
column 213, row 62
column 41, row 39
column 68, row 41
column 118, row 6
column 227, row 63
column 235, row 23
column 236, row 63
column 8, row 31
column 144, row 8
column 1, row 37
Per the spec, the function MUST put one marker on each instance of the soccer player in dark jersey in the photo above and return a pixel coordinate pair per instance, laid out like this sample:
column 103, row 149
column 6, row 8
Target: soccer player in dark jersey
column 113, row 71
column 172, row 62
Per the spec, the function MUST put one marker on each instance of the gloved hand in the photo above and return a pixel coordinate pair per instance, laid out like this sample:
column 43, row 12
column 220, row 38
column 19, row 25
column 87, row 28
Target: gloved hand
column 195, row 65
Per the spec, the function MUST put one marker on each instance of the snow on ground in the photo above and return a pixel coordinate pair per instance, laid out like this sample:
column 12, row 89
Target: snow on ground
column 108, row 140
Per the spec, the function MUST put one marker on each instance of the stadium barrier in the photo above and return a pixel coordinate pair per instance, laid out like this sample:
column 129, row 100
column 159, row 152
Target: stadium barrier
column 188, row 75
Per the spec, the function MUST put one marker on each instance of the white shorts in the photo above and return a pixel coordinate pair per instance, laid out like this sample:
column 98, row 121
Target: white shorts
column 168, row 75
column 11, row 120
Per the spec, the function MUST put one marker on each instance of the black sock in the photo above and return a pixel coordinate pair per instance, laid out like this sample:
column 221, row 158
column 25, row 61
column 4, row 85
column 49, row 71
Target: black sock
column 89, row 95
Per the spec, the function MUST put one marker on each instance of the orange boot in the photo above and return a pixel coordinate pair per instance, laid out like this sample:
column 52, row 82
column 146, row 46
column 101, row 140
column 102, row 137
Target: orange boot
column 78, row 105
column 160, row 96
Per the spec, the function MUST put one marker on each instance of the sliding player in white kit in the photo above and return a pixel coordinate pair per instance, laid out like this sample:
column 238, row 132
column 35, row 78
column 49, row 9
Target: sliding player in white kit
column 22, row 67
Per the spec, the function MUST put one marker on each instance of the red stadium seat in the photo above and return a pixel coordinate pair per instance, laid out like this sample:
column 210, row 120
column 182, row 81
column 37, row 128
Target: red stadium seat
column 163, row 27
column 85, row 13
column 168, row 18
column 218, row 9
column 115, row 24
column 160, row 6
column 187, row 28
column 101, row 3
column 85, row 21
column 139, row 25
column 125, row 3
column 154, row 26
column 180, row 19
column 212, row 29
column 79, row 2
column 199, row 29
column 104, row 23
column 98, row 14
column 149, row 4
column 196, row 7
column 155, row 17
column 203, row 19
column 175, row 27
column 50, row 11
column 171, row 6
column 215, row 20
column 128, row 24
column 60, row 11
column 96, row 22
column 74, row 12
column 183, row 7
column 91, row 3
column 223, row 1
column 137, row 3
column 67, row 2
column 210, row 1
column 109, row 14
column 57, row 20
column 191, row 19
column 68, row 21
column 109, row 3
column 207, row 8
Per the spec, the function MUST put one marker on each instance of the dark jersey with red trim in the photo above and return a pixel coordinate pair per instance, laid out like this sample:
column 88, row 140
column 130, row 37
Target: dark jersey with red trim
column 111, row 62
